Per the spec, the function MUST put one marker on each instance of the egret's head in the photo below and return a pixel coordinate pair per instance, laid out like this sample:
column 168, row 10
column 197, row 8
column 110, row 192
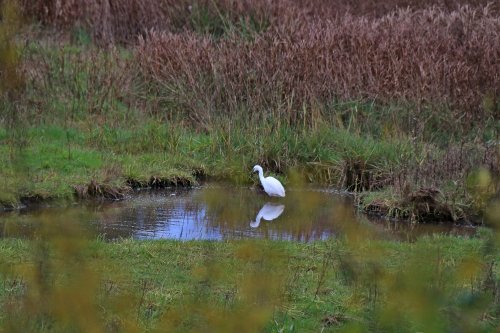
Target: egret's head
column 257, row 168
column 254, row 224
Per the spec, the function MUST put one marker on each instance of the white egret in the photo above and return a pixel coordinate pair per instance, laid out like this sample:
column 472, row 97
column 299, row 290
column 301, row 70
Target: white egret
column 268, row 212
column 271, row 185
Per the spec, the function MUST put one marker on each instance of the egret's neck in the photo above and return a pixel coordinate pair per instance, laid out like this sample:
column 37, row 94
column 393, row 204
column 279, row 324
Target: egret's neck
column 261, row 175
column 256, row 223
column 259, row 217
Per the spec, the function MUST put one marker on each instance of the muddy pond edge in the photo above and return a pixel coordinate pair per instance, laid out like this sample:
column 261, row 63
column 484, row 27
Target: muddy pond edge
column 426, row 205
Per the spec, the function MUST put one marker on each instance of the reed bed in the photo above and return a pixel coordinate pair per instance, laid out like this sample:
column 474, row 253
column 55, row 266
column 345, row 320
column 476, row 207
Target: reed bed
column 122, row 21
column 400, row 96
column 297, row 62
column 426, row 59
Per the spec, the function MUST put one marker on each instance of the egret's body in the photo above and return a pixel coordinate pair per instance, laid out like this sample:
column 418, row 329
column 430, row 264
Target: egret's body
column 271, row 185
column 268, row 212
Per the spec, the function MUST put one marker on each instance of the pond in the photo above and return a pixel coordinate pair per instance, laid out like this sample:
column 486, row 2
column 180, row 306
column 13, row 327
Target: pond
column 218, row 212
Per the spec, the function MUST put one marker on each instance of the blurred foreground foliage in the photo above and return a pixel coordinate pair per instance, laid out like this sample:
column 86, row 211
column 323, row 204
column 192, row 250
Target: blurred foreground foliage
column 63, row 279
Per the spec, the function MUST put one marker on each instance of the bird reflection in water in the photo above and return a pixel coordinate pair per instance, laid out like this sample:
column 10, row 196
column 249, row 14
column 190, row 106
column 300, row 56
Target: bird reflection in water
column 268, row 212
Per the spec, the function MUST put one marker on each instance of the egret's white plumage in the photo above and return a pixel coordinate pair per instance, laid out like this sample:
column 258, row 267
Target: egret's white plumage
column 271, row 185
column 268, row 212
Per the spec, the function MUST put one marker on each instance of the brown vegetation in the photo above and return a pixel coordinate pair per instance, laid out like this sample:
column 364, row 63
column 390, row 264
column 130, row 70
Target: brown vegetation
column 302, row 58
column 427, row 58
column 434, row 188
column 97, row 190
column 161, row 182
column 423, row 205
column 107, row 190
column 124, row 20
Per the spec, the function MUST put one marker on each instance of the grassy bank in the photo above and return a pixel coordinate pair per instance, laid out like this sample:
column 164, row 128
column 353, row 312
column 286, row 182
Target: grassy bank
column 175, row 94
column 60, row 283
column 56, row 160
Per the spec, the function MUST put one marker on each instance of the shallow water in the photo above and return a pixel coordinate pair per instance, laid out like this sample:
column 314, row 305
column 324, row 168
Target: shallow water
column 216, row 212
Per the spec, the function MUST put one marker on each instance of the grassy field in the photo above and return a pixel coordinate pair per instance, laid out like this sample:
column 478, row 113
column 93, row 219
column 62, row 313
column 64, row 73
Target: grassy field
column 61, row 282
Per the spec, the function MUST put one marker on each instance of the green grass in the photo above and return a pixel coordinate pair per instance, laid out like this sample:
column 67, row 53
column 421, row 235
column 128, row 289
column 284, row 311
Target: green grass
column 54, row 159
column 435, row 284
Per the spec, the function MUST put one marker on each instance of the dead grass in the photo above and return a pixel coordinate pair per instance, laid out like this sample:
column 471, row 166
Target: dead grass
column 435, row 168
column 122, row 21
column 96, row 190
column 427, row 58
column 423, row 205
column 438, row 59
column 162, row 182
column 442, row 185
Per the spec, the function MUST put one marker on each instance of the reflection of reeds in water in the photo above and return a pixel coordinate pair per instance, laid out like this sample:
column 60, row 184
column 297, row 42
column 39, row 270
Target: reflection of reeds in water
column 218, row 212
column 16, row 225
column 307, row 215
column 410, row 231
column 228, row 213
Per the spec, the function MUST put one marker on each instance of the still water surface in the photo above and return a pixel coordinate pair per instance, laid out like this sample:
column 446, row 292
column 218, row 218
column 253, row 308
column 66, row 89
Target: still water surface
column 217, row 212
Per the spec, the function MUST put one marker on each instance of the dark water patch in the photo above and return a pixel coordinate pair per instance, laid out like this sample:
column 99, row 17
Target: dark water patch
column 410, row 231
column 216, row 212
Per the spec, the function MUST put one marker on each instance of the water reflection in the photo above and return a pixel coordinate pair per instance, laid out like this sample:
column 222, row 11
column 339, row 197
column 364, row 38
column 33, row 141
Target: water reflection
column 217, row 213
column 268, row 212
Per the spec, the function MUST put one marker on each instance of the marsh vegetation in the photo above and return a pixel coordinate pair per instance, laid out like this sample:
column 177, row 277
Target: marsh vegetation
column 395, row 101
column 361, row 96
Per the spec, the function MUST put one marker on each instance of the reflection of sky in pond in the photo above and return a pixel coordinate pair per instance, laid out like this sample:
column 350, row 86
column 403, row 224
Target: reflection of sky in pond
column 213, row 213
column 175, row 224
column 218, row 213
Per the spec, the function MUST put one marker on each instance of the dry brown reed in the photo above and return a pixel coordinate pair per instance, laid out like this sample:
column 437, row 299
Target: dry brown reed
column 96, row 190
column 123, row 20
column 313, row 53
column 446, row 184
column 422, row 58
column 436, row 168
column 94, row 80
